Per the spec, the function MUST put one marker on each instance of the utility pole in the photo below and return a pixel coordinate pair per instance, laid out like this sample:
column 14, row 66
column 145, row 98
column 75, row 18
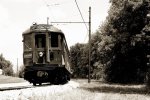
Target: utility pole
column 17, row 65
column 89, row 78
column 47, row 20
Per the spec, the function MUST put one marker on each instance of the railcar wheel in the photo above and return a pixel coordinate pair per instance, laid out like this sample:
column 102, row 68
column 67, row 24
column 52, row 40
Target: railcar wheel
column 63, row 78
column 40, row 84
column 34, row 83
column 68, row 77
column 60, row 76
column 56, row 80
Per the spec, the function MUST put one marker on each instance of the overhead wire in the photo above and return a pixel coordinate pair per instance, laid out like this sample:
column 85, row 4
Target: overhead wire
column 48, row 6
column 82, row 19
column 81, row 14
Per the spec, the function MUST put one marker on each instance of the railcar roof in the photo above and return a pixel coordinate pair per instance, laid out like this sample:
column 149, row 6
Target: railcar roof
column 42, row 28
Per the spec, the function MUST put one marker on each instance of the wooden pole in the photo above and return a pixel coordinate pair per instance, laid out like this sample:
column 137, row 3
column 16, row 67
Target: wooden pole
column 89, row 78
column 17, row 67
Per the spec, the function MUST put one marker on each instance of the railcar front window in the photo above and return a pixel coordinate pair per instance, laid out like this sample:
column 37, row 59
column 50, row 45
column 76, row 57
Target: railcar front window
column 40, row 41
column 54, row 40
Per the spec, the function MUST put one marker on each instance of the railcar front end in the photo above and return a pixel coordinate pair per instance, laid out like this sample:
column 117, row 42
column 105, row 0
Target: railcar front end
column 45, row 55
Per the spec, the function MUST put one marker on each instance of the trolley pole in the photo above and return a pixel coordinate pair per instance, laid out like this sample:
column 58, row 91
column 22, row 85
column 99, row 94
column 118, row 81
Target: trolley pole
column 89, row 78
column 47, row 42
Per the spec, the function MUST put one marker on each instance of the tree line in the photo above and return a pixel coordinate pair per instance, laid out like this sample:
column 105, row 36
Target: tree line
column 118, row 52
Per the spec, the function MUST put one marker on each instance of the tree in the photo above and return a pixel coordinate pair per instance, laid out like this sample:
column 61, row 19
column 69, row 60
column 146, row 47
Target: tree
column 6, row 66
column 125, row 21
column 118, row 48
column 79, row 59
column 100, row 53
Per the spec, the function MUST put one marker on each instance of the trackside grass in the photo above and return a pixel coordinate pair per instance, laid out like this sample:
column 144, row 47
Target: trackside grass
column 97, row 91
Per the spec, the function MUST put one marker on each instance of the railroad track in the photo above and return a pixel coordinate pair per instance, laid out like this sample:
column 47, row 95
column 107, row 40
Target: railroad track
column 15, row 88
column 26, row 85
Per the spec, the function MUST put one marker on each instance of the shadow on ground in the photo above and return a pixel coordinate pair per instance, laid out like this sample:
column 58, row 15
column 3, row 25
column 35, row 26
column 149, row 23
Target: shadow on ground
column 112, row 88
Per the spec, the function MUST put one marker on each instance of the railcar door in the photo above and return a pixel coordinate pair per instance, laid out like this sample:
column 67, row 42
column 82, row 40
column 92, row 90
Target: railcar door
column 40, row 45
column 55, row 52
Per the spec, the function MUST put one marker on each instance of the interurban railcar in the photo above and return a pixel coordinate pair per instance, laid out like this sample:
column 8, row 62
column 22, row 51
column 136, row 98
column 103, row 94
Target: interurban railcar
column 45, row 55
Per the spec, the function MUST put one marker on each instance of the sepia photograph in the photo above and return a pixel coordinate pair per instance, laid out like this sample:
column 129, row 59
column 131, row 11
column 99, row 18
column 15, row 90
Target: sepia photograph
column 74, row 49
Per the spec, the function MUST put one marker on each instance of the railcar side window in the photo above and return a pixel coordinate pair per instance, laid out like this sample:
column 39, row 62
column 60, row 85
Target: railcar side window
column 54, row 40
column 40, row 41
column 27, row 42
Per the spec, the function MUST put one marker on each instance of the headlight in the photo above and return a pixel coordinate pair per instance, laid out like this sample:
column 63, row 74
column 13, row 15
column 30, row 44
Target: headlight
column 41, row 54
column 42, row 74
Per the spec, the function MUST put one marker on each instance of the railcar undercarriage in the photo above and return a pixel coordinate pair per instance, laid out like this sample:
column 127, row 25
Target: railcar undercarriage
column 39, row 74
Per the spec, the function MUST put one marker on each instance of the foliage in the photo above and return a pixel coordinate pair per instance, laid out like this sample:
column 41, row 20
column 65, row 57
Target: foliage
column 146, row 31
column 100, row 54
column 6, row 66
column 118, row 47
column 21, row 71
column 79, row 59
column 101, row 47
column 128, row 60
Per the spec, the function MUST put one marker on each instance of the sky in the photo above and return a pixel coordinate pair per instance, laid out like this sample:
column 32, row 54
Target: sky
column 18, row 15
